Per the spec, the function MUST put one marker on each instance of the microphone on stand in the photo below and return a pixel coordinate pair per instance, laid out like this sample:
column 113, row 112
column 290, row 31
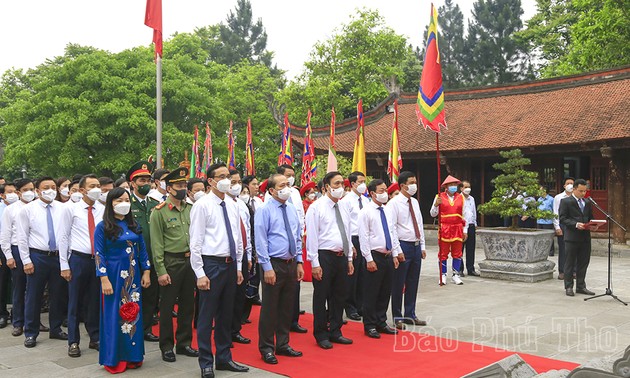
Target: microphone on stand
column 593, row 201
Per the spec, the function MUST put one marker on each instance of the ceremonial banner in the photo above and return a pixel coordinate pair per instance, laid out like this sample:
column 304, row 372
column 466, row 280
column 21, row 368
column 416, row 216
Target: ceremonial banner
column 358, row 157
column 394, row 164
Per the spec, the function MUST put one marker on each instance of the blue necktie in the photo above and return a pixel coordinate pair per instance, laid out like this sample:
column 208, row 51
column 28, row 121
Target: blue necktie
column 228, row 228
column 581, row 202
column 388, row 238
column 287, row 227
column 360, row 204
column 52, row 242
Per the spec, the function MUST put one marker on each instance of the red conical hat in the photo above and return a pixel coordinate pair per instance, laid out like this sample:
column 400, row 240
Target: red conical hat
column 451, row 180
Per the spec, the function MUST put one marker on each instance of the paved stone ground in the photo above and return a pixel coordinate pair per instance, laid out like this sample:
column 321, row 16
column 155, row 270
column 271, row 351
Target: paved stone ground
column 535, row 318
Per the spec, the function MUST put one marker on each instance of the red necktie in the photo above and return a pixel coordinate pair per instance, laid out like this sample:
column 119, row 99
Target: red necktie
column 415, row 221
column 244, row 235
column 91, row 227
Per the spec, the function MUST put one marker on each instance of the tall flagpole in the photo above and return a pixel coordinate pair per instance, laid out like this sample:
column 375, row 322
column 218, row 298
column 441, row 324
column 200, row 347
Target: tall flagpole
column 158, row 109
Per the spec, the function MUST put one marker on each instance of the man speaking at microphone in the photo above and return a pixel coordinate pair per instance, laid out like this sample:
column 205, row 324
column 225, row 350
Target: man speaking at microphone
column 575, row 213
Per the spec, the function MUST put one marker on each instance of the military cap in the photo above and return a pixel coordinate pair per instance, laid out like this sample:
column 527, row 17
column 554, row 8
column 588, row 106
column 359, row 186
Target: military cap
column 139, row 169
column 177, row 175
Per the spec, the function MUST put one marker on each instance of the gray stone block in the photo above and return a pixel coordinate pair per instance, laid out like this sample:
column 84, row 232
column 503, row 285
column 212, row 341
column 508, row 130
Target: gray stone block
column 515, row 271
column 513, row 367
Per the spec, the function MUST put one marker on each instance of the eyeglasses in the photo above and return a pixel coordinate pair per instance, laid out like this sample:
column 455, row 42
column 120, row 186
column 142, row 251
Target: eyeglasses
column 222, row 177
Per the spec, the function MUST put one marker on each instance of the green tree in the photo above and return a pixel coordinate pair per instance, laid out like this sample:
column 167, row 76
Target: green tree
column 495, row 55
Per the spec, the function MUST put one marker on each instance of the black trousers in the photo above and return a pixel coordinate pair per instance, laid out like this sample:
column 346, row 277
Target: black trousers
column 84, row 288
column 295, row 319
column 239, row 299
column 150, row 300
column 5, row 283
column 377, row 288
column 182, row 291
column 333, row 288
column 354, row 303
column 46, row 272
column 277, row 307
column 469, row 247
column 577, row 259
column 216, row 304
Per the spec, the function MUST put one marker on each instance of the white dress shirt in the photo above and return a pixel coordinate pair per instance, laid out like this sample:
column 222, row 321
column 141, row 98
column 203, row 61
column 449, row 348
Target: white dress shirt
column 8, row 228
column 470, row 210
column 371, row 233
column 556, row 208
column 32, row 227
column 245, row 218
column 156, row 195
column 322, row 231
column 352, row 201
column 255, row 202
column 296, row 200
column 208, row 236
column 74, row 229
column 399, row 207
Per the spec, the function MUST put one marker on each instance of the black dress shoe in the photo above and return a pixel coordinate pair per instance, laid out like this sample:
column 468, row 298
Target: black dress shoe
column 354, row 316
column 302, row 312
column 270, row 358
column 324, row 344
column 386, row 330
column 419, row 322
column 188, row 351
column 256, row 302
column 17, row 331
column 341, row 340
column 238, row 338
column 399, row 324
column 570, row 293
column 207, row 373
column 74, row 350
column 96, row 345
column 246, row 321
column 289, row 352
column 344, row 322
column 584, row 291
column 60, row 336
column 232, row 366
column 3, row 322
column 151, row 337
column 168, row 356
column 298, row 328
column 30, row 342
column 43, row 328
column 473, row 273
column 372, row 333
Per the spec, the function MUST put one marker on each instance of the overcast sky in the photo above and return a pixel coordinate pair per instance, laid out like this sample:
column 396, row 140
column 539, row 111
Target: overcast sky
column 35, row 30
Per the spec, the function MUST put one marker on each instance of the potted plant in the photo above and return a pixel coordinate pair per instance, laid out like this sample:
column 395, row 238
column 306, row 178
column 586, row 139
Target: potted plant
column 513, row 253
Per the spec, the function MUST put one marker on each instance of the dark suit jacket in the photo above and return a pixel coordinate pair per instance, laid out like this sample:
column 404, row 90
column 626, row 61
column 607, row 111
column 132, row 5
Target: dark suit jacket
column 570, row 214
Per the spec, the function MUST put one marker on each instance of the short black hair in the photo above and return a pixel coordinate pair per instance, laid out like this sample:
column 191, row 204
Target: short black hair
column 105, row 180
column 234, row 172
column 569, row 178
column 76, row 177
column 320, row 185
column 42, row 179
column 19, row 183
column 373, row 184
column 73, row 183
column 354, row 176
column 282, row 168
column 579, row 182
column 214, row 167
column 329, row 176
column 157, row 175
column 272, row 180
column 84, row 179
column 247, row 179
column 404, row 177
column 119, row 182
column 194, row 181
column 2, row 189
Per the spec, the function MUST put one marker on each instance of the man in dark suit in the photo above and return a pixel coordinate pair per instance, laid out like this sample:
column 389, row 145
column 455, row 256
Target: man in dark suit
column 575, row 213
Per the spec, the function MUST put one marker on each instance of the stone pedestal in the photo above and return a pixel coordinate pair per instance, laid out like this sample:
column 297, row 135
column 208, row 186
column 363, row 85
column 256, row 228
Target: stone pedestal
column 516, row 255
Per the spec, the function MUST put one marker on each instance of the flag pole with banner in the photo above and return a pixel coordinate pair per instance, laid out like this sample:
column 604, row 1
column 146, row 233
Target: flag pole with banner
column 332, row 153
column 153, row 19
column 309, row 165
column 394, row 163
column 231, row 159
column 430, row 104
column 358, row 157
column 286, row 149
column 207, row 151
column 250, row 168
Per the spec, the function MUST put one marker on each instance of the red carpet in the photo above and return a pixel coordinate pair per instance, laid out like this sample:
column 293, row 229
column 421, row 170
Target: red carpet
column 431, row 357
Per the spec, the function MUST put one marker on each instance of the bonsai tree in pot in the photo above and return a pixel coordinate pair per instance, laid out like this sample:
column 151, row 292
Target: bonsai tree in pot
column 512, row 188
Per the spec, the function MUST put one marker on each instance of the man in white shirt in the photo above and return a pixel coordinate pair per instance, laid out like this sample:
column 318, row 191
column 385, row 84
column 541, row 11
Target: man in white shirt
column 355, row 200
column 76, row 258
column 470, row 214
column 159, row 193
column 216, row 254
column 252, row 200
column 196, row 189
column 38, row 229
column 380, row 248
column 8, row 243
column 568, row 191
column 329, row 249
column 405, row 210
column 8, row 196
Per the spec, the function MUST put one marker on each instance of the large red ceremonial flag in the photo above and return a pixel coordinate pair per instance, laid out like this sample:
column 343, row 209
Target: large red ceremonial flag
column 358, row 157
column 250, row 168
column 394, row 164
column 153, row 19
column 309, row 165
column 332, row 153
column 286, row 149
column 231, row 159
column 430, row 104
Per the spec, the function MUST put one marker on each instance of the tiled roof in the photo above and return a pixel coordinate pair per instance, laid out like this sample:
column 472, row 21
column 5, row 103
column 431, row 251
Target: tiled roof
column 573, row 110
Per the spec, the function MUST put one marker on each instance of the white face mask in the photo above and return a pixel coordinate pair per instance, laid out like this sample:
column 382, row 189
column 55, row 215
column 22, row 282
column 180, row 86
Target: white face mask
column 382, row 197
column 199, row 195
column 569, row 188
column 12, row 198
column 65, row 192
column 235, row 190
column 412, row 189
column 102, row 197
column 312, row 196
column 95, row 194
column 284, row 193
column 361, row 188
column 223, row 186
column 122, row 208
column 337, row 193
column 466, row 191
column 49, row 195
column 291, row 181
column 244, row 198
column 163, row 185
column 76, row 197
column 28, row 196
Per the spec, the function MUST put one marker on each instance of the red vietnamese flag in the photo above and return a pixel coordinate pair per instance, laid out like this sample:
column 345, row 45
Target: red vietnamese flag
column 153, row 19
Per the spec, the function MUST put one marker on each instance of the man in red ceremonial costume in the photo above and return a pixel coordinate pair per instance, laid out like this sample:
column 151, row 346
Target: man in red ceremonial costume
column 449, row 204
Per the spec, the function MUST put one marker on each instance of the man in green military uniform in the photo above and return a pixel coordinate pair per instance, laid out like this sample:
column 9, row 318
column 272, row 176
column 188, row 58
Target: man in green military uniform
column 139, row 177
column 171, row 258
